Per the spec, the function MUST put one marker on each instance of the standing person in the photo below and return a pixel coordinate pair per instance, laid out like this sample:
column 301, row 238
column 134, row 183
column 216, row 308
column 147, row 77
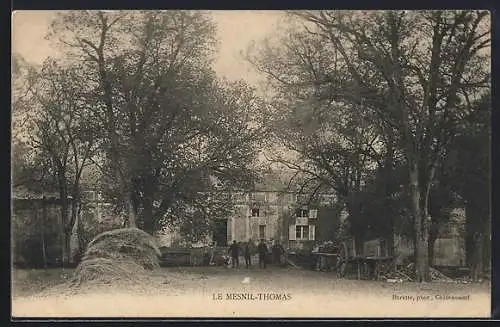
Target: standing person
column 262, row 248
column 234, row 251
column 277, row 251
column 248, row 253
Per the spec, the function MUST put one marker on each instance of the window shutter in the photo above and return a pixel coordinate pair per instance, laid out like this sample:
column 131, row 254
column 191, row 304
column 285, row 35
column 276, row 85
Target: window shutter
column 313, row 213
column 291, row 232
column 262, row 232
column 312, row 232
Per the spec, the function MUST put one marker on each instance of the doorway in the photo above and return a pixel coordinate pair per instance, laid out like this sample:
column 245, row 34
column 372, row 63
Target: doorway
column 220, row 232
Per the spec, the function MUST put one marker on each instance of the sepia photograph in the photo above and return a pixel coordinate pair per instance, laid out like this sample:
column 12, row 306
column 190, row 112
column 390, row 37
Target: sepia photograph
column 251, row 164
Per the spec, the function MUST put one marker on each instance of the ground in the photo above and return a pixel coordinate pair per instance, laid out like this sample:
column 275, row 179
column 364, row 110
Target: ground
column 271, row 292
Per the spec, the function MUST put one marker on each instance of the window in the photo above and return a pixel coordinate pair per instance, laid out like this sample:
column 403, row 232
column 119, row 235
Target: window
column 302, row 232
column 255, row 212
column 262, row 232
column 302, row 213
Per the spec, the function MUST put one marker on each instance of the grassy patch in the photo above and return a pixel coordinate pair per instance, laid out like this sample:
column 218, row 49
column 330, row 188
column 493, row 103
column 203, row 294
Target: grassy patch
column 26, row 282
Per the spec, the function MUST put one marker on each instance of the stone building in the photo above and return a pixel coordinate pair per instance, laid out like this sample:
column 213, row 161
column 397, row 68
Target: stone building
column 272, row 215
column 276, row 215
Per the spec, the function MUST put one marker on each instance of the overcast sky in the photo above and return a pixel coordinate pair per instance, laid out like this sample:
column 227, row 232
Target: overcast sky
column 236, row 29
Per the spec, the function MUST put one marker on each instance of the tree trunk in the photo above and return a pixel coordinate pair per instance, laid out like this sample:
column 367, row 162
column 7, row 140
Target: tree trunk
column 357, row 227
column 421, row 226
column 110, row 123
column 390, row 244
column 82, row 240
column 422, row 250
column 75, row 219
column 65, row 236
column 44, row 247
column 388, row 172
column 470, row 229
column 389, row 234
column 66, row 250
column 477, row 235
column 131, row 214
column 486, row 251
column 477, row 258
column 147, row 215
column 432, row 243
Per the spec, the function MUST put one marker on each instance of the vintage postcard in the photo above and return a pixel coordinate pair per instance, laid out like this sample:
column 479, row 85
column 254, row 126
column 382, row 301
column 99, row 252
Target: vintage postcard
column 173, row 163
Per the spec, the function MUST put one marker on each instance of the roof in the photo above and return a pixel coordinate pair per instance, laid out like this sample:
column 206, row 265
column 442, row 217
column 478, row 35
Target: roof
column 272, row 181
column 23, row 193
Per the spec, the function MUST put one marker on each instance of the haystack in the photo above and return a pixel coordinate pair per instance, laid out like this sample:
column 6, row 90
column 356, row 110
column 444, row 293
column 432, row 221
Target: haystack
column 118, row 255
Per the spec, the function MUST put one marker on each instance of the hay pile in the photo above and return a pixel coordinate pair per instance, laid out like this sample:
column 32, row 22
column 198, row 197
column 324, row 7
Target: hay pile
column 122, row 255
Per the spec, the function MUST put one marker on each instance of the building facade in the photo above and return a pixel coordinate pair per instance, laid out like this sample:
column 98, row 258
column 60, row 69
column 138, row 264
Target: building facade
column 275, row 215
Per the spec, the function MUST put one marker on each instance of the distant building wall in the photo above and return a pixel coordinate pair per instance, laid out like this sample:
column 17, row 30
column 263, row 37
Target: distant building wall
column 273, row 215
column 449, row 252
column 36, row 231
column 449, row 248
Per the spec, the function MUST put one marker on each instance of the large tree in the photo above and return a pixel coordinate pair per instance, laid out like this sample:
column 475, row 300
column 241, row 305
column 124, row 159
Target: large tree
column 467, row 171
column 167, row 123
column 414, row 74
column 331, row 145
column 27, row 168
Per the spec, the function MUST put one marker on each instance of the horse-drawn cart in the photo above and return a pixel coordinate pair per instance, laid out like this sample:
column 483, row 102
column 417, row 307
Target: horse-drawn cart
column 342, row 258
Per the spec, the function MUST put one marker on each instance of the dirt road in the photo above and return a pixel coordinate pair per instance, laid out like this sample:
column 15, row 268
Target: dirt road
column 274, row 292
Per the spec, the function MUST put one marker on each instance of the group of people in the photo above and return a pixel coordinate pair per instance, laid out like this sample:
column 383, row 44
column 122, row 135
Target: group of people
column 248, row 249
